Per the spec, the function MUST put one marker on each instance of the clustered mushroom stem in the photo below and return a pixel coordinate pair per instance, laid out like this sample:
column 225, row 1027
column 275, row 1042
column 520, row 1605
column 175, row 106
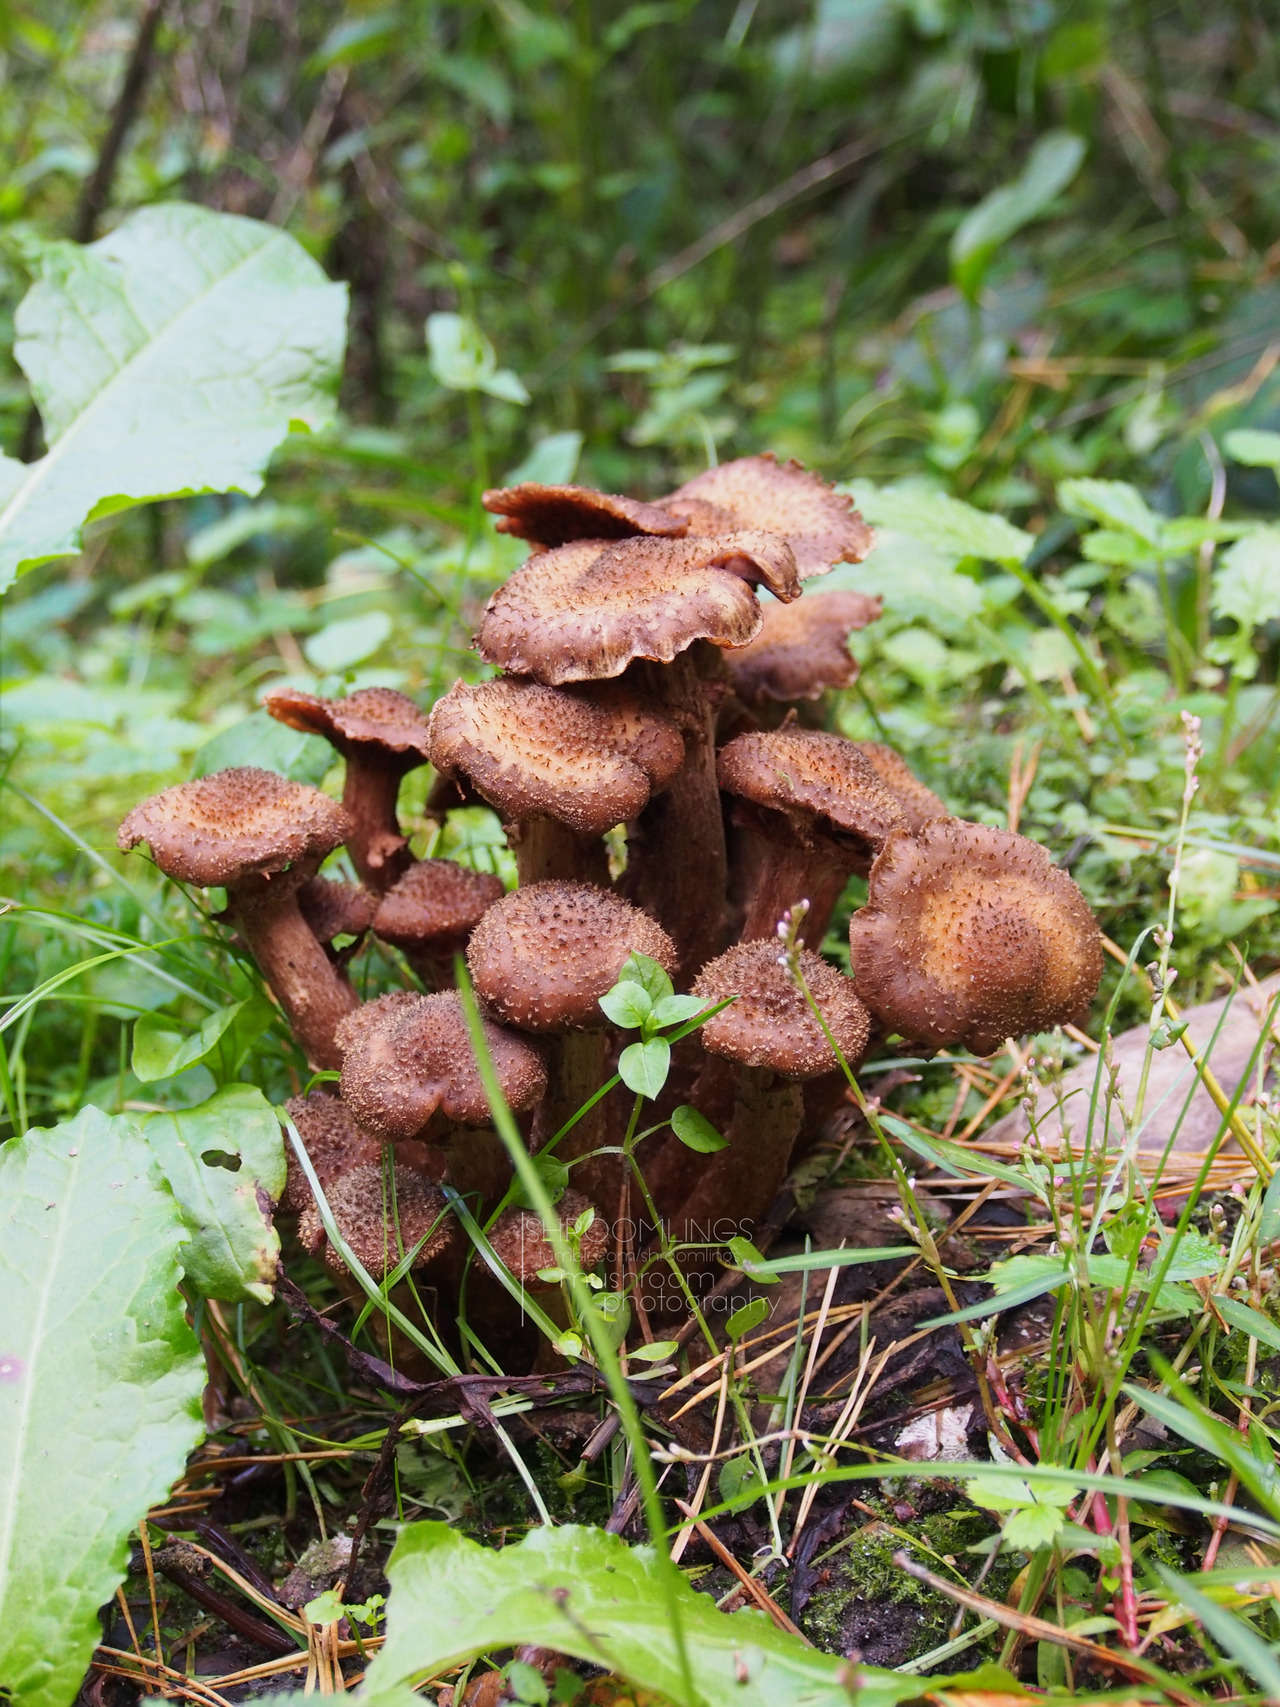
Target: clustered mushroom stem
column 789, row 873
column 378, row 849
column 547, row 851
column 576, row 1069
column 311, row 990
column 679, row 870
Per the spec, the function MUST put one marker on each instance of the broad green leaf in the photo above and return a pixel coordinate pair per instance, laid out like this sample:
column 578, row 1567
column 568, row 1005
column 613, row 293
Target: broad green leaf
column 1033, row 1526
column 463, row 359
column 1246, row 590
column 643, row 1067
column 341, row 645
column 1052, row 164
column 159, row 1052
column 750, row 1260
column 628, row 1004
column 170, row 357
column 1235, row 1636
column 1248, row 1320
column 750, row 1316
column 739, row 1483
column 696, row 1132
column 583, row 1592
column 100, row 1384
column 946, row 523
column 260, row 740
column 640, row 969
column 1114, row 503
column 225, row 1162
column 674, row 1010
column 554, row 1175
column 654, row 1352
column 1253, row 447
column 552, row 460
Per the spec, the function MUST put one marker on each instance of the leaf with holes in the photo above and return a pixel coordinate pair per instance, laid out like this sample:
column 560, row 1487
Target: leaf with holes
column 170, row 357
column 100, row 1384
column 225, row 1161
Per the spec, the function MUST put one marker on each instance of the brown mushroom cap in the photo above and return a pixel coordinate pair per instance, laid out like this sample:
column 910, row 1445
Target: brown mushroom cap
column 920, row 805
column 379, row 1231
column 817, row 777
column 821, row 524
column 371, row 718
column 557, row 515
column 334, row 1142
column 800, row 650
column 336, row 909
column 542, row 958
column 413, row 1057
column 590, row 759
column 233, row 824
column 435, row 906
column 587, row 610
column 771, row 1025
column 520, row 1240
column 971, row 935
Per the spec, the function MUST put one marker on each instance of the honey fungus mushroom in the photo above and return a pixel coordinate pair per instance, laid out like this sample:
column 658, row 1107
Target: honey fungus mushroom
column 430, row 913
column 382, row 736
column 560, row 766
column 540, row 960
column 819, row 524
column 761, row 1047
column 335, row 1144
column 260, row 837
column 816, row 810
column 520, row 1242
column 971, row 935
column 382, row 1215
column 556, row 515
column 801, row 649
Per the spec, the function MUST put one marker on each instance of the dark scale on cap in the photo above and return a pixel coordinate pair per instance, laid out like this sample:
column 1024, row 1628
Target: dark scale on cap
column 542, row 958
column 370, row 717
column 801, row 649
column 587, row 610
column 589, row 758
column 233, row 824
column 334, row 1143
column 771, row 1024
column 413, row 1058
column 380, row 1231
column 971, row 935
column 520, row 1240
column 435, row 907
column 556, row 515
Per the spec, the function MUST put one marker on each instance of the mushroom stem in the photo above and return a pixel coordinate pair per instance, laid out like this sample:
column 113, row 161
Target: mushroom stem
column 790, row 872
column 311, row 990
column 478, row 1166
column 576, row 1069
column 547, row 850
column 678, row 863
column 379, row 851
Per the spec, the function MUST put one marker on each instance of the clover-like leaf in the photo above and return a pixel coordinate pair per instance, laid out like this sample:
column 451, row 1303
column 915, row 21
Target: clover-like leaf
column 643, row 1067
column 696, row 1132
column 628, row 1004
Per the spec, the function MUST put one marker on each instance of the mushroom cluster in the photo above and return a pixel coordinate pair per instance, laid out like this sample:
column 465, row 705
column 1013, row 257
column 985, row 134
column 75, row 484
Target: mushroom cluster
column 650, row 745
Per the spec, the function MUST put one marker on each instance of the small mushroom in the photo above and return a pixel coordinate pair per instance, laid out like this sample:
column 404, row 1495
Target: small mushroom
column 920, row 805
column 520, row 1240
column 801, row 648
column 335, row 1143
column 820, row 810
column 336, row 909
column 764, row 1043
column 382, row 735
column 541, row 959
column 409, row 1071
column 557, row 515
column 585, row 611
column 820, row 524
column 971, row 935
column 431, row 912
column 561, row 766
column 260, row 837
column 381, row 1218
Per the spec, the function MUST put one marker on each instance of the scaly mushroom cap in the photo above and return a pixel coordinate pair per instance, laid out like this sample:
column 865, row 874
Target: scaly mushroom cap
column 801, row 648
column 590, row 759
column 587, row 610
column 821, row 780
column 333, row 1141
column 821, row 524
column 558, row 515
column 371, row 718
column 233, row 824
column 381, row 1231
column 336, row 909
column 520, row 1240
column 542, row 958
column 771, row 1024
column 414, row 1057
column 435, row 907
column 920, row 805
column 971, row 935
